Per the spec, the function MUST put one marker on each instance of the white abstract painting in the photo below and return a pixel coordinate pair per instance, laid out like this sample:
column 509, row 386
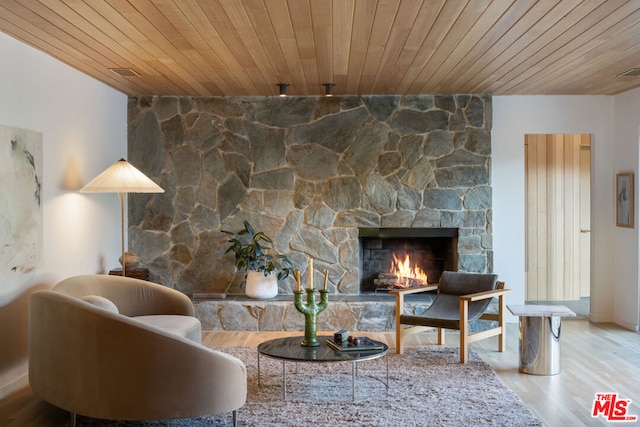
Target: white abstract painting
column 20, row 203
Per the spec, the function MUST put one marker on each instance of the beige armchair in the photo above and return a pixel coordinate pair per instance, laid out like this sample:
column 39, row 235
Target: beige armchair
column 113, row 347
column 462, row 298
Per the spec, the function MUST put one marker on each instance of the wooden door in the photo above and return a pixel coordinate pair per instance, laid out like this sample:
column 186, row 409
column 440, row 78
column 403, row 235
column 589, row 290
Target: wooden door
column 557, row 216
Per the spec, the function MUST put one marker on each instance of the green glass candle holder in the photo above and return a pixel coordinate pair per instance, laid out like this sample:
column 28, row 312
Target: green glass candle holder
column 310, row 310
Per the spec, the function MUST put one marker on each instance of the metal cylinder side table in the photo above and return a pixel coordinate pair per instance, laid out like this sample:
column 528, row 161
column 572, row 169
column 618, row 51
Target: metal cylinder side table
column 539, row 347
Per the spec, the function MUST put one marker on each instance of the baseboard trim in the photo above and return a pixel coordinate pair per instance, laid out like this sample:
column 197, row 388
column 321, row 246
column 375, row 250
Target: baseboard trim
column 15, row 385
column 626, row 325
column 600, row 318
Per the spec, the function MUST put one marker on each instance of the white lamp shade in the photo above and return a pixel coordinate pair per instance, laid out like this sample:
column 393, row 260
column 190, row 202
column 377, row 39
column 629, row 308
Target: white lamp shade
column 121, row 177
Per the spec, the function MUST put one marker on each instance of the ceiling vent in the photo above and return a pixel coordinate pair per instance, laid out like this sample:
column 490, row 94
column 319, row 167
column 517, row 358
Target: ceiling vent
column 125, row 72
column 634, row 72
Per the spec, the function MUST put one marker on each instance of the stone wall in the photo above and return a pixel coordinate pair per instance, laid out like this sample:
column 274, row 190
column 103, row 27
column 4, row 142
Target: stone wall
column 308, row 171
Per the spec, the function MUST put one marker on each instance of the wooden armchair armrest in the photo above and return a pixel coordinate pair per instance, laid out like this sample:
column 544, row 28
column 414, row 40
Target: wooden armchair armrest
column 400, row 293
column 414, row 290
column 485, row 295
column 466, row 336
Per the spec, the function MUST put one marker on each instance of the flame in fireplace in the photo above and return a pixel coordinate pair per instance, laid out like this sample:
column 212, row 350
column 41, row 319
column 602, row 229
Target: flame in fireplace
column 407, row 275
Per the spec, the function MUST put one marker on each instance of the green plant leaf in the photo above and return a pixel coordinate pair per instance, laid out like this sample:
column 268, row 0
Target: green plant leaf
column 250, row 255
column 261, row 235
column 283, row 274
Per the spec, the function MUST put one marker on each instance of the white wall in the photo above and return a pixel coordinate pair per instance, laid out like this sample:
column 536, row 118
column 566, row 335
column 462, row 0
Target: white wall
column 627, row 138
column 84, row 129
column 515, row 116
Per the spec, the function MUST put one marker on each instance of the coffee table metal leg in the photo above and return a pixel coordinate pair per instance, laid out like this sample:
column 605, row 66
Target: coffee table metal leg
column 259, row 384
column 387, row 384
column 354, row 374
column 284, row 381
column 354, row 368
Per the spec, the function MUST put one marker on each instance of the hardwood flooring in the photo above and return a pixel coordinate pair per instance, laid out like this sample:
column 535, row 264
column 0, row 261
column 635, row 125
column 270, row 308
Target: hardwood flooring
column 595, row 358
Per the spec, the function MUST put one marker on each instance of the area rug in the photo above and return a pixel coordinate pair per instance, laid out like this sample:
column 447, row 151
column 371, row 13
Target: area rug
column 427, row 387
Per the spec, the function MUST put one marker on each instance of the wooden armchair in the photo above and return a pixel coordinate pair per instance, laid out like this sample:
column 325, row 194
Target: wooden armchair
column 462, row 298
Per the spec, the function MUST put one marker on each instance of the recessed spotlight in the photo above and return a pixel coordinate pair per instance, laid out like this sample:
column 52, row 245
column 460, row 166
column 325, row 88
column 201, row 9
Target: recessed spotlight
column 328, row 88
column 283, row 88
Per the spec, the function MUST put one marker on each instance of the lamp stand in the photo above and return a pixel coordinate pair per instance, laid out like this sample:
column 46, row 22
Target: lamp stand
column 122, row 197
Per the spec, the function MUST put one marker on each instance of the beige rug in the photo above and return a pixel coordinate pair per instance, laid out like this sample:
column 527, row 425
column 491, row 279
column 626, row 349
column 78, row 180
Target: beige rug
column 428, row 387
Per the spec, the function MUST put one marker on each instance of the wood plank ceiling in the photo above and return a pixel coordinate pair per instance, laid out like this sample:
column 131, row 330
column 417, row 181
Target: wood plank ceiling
column 246, row 47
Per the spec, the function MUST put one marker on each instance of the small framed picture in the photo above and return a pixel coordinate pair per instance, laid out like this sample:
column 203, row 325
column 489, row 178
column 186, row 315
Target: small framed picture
column 624, row 200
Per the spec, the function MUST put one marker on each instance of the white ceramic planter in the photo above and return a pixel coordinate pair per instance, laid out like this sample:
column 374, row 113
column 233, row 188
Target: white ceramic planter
column 261, row 287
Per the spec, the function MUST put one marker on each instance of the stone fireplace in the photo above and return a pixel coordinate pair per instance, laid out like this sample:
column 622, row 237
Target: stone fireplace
column 431, row 250
column 310, row 172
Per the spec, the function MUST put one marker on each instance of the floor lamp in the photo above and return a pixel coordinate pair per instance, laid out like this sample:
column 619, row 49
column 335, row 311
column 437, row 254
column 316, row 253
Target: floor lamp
column 122, row 178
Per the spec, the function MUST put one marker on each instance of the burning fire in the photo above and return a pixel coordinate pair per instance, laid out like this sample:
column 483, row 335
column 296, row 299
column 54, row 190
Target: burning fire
column 407, row 276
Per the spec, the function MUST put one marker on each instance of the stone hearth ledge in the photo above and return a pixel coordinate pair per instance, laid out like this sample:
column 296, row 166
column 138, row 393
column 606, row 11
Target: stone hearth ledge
column 371, row 312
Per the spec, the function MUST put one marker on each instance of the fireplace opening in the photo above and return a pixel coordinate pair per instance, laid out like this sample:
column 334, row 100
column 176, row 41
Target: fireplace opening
column 383, row 250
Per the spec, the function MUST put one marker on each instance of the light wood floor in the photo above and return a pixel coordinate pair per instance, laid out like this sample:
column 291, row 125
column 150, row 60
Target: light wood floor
column 595, row 358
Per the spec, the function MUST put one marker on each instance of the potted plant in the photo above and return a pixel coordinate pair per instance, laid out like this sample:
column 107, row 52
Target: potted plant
column 263, row 268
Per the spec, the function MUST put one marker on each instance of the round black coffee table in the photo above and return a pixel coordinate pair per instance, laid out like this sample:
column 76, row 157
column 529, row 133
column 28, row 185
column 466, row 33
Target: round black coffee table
column 289, row 350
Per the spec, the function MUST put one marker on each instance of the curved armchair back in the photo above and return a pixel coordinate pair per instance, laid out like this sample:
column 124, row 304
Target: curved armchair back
column 133, row 297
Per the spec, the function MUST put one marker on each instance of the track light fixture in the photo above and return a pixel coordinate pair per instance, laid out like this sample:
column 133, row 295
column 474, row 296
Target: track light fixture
column 283, row 88
column 328, row 88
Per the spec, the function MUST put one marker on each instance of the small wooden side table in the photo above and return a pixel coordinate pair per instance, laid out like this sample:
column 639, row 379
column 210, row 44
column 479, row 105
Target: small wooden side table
column 141, row 273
